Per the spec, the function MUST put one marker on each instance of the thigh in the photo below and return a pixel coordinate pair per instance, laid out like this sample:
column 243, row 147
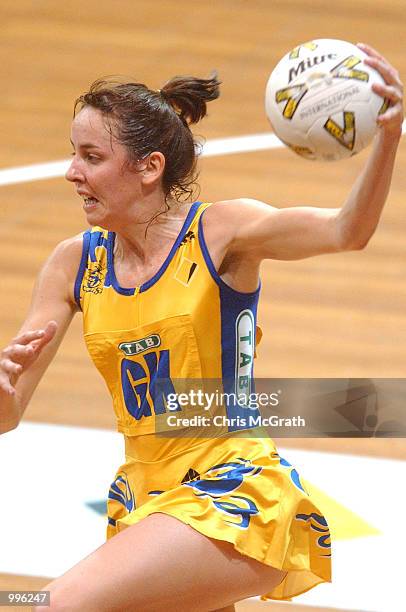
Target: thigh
column 157, row 564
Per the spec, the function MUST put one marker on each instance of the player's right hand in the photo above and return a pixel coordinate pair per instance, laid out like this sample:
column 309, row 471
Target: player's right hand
column 21, row 353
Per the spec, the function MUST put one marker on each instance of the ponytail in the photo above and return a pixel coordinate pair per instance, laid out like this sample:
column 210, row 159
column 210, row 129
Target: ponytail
column 188, row 96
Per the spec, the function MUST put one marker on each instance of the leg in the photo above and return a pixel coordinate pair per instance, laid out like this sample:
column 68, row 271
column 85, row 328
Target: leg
column 157, row 565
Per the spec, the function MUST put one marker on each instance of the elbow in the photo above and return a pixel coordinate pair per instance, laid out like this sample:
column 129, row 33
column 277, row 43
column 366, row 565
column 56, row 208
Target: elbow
column 353, row 236
column 353, row 243
column 357, row 245
column 8, row 426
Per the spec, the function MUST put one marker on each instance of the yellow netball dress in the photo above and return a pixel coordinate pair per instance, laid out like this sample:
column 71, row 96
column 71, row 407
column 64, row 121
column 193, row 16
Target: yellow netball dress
column 186, row 324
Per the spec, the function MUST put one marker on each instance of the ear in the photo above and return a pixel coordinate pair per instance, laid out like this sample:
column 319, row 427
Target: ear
column 154, row 168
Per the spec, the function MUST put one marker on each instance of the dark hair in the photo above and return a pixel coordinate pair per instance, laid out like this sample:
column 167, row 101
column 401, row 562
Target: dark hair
column 145, row 120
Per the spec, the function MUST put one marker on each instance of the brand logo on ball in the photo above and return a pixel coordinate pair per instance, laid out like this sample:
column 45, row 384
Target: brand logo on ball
column 308, row 63
column 139, row 346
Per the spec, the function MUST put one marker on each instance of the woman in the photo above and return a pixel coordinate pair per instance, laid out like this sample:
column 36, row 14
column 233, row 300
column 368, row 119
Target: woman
column 169, row 291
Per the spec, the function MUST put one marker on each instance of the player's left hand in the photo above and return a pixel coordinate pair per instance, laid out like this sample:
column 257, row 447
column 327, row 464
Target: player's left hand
column 391, row 120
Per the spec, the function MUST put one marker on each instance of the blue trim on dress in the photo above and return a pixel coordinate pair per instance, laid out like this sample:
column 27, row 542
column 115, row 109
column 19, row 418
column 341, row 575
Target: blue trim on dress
column 232, row 304
column 213, row 272
column 110, row 267
column 82, row 267
column 157, row 276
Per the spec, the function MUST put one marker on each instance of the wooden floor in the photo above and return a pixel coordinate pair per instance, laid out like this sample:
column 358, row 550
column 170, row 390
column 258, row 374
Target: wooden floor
column 331, row 316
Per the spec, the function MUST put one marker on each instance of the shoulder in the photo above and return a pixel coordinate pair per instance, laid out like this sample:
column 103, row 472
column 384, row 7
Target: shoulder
column 68, row 251
column 240, row 207
column 65, row 259
column 226, row 217
column 56, row 279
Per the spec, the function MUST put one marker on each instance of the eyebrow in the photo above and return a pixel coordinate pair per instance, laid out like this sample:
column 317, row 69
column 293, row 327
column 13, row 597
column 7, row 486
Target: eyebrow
column 86, row 145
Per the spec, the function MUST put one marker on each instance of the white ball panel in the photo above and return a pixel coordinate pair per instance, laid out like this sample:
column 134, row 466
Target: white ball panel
column 323, row 94
column 326, row 147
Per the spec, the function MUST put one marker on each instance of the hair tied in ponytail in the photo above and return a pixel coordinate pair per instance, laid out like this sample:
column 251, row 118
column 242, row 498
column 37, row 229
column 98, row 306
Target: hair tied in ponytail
column 188, row 96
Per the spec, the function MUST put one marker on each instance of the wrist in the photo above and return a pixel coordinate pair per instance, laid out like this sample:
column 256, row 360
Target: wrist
column 389, row 136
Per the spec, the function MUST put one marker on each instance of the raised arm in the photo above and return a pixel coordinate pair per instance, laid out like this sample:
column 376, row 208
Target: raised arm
column 259, row 231
column 24, row 361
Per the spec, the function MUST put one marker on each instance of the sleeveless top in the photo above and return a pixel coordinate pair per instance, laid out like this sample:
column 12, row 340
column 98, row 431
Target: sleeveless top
column 184, row 324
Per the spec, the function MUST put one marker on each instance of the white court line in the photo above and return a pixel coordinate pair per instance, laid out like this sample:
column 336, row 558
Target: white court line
column 241, row 144
column 35, row 172
column 217, row 146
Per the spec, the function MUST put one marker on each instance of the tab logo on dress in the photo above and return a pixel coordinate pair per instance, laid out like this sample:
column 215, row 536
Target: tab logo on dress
column 245, row 347
column 139, row 346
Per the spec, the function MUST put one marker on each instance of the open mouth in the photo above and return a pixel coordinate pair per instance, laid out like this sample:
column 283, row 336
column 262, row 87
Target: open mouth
column 90, row 203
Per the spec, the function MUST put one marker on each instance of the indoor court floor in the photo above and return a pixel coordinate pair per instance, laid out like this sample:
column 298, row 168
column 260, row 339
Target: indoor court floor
column 338, row 316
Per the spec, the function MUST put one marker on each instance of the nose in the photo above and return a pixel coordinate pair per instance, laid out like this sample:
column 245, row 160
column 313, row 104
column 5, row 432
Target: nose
column 74, row 173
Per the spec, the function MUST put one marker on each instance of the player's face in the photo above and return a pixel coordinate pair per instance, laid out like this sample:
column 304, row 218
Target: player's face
column 109, row 186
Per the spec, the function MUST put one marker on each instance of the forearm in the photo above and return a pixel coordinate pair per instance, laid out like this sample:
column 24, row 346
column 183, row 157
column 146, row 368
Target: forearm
column 358, row 218
column 10, row 412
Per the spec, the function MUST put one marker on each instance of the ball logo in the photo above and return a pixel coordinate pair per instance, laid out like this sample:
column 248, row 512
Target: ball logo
column 303, row 151
column 294, row 54
column 344, row 70
column 345, row 135
column 384, row 107
column 292, row 95
column 139, row 346
column 309, row 62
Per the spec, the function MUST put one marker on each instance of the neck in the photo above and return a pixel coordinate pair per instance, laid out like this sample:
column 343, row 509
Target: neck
column 153, row 229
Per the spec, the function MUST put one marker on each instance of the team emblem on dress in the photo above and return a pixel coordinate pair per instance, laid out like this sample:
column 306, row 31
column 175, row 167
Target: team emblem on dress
column 294, row 476
column 223, row 479
column 120, row 491
column 93, row 280
column 318, row 524
column 188, row 237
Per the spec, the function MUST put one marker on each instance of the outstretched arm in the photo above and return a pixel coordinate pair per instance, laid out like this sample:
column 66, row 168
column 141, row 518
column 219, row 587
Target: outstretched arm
column 24, row 361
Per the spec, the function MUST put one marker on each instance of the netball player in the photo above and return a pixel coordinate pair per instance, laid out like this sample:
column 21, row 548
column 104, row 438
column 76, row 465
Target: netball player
column 169, row 290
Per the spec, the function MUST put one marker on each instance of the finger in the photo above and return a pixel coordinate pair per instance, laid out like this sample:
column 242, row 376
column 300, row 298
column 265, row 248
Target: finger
column 387, row 91
column 6, row 387
column 50, row 329
column 28, row 336
column 393, row 113
column 370, row 51
column 18, row 352
column 387, row 71
column 49, row 333
column 10, row 367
